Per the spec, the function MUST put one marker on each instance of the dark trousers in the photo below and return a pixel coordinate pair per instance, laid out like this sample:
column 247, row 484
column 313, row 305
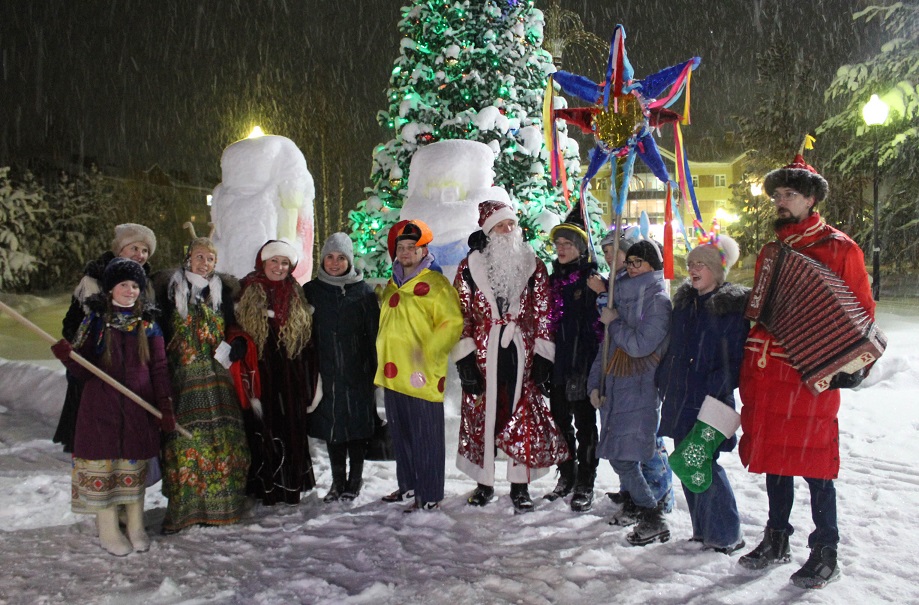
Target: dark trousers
column 581, row 437
column 714, row 515
column 417, row 430
column 339, row 453
column 781, row 493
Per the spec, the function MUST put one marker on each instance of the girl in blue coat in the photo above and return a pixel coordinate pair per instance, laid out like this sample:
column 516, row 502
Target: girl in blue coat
column 696, row 381
column 630, row 410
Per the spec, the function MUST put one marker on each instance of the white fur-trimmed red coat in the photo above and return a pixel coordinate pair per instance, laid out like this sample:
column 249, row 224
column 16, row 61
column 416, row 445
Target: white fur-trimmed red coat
column 531, row 439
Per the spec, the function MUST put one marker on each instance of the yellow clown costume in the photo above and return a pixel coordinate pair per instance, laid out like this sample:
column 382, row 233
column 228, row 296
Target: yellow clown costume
column 419, row 324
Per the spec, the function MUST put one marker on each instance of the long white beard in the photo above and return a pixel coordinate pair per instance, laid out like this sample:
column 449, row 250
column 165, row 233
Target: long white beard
column 506, row 257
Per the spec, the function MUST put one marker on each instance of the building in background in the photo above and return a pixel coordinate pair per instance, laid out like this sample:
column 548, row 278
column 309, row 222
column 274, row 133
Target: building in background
column 713, row 167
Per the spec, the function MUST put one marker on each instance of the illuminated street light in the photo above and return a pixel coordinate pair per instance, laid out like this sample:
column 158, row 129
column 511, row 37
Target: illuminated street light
column 875, row 114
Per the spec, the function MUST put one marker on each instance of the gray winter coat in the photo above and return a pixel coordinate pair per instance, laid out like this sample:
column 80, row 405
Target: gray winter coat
column 638, row 337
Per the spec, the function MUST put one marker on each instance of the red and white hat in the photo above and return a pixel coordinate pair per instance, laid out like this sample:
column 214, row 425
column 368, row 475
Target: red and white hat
column 494, row 208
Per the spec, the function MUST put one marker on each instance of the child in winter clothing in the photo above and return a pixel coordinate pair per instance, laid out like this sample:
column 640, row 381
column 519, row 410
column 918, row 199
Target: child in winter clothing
column 630, row 410
column 656, row 470
column 115, row 437
column 696, row 382
column 574, row 322
column 131, row 241
column 346, row 319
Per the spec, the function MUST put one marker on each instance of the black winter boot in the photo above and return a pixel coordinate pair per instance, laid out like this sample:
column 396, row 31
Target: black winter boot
column 820, row 569
column 520, row 496
column 651, row 527
column 339, row 474
column 773, row 550
column 355, row 481
column 482, row 495
column 628, row 513
column 353, row 488
column 583, row 498
column 567, row 473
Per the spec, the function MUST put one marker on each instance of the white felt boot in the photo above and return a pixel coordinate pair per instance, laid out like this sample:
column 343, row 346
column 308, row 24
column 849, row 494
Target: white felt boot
column 137, row 533
column 110, row 535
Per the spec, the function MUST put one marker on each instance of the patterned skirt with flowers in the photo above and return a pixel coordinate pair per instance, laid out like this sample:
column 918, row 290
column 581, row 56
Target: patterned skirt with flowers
column 204, row 477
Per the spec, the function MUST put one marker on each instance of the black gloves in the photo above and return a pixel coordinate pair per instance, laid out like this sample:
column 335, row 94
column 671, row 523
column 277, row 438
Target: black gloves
column 541, row 370
column 478, row 240
column 847, row 381
column 238, row 348
column 470, row 377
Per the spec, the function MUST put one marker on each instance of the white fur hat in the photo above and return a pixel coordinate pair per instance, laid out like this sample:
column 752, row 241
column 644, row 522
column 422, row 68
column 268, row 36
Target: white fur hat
column 280, row 247
column 128, row 233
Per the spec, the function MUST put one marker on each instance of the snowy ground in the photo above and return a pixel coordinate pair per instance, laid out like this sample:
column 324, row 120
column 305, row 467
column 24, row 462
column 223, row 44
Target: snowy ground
column 369, row 552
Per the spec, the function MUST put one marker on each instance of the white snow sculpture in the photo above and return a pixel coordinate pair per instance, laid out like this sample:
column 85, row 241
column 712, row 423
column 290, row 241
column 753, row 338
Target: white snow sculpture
column 442, row 178
column 267, row 193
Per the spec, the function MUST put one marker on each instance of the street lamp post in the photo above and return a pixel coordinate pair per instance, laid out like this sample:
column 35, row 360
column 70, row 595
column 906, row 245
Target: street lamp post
column 875, row 114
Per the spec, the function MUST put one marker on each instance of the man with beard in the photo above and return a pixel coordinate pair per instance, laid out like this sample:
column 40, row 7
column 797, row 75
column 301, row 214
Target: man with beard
column 787, row 430
column 505, row 354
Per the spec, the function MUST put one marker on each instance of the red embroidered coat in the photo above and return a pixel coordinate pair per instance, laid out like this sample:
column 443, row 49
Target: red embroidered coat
column 531, row 439
column 787, row 430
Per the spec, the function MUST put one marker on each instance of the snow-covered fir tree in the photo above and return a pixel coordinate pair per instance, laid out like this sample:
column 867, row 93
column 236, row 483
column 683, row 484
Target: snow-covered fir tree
column 471, row 70
column 21, row 206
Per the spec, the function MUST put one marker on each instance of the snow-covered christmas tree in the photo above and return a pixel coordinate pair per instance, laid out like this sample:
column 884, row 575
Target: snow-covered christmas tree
column 472, row 70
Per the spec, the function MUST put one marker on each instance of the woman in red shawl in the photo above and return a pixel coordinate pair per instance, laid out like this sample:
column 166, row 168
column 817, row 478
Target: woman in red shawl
column 273, row 313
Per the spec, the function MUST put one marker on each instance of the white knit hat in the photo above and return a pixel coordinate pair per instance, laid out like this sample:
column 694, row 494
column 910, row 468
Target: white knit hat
column 719, row 258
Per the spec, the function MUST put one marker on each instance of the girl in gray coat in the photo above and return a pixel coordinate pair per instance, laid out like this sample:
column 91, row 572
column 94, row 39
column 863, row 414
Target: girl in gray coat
column 630, row 410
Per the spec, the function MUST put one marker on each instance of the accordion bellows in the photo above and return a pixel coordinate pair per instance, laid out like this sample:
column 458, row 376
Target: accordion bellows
column 814, row 315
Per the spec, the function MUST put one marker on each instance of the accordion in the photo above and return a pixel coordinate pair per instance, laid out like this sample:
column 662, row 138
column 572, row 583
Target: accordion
column 814, row 315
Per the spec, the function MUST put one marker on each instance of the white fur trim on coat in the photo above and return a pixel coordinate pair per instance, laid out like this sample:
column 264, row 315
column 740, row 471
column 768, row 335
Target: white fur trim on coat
column 461, row 349
column 86, row 288
column 720, row 416
column 544, row 349
column 183, row 280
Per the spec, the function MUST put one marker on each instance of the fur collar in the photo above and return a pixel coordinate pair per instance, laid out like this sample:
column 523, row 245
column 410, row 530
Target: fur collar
column 728, row 298
column 184, row 285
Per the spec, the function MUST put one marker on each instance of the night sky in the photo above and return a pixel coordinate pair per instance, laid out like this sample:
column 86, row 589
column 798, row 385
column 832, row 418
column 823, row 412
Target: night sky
column 129, row 84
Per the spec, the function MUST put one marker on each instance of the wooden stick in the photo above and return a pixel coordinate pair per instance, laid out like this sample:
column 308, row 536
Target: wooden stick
column 609, row 300
column 89, row 366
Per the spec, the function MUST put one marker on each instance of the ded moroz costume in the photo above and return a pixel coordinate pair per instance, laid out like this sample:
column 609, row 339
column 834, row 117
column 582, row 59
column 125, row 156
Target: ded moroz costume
column 504, row 354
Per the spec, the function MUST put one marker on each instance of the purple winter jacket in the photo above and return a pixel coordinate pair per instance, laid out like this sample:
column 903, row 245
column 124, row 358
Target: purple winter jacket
column 109, row 425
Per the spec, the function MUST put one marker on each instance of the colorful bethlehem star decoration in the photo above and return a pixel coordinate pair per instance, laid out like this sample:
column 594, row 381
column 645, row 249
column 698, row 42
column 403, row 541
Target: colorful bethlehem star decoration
column 624, row 113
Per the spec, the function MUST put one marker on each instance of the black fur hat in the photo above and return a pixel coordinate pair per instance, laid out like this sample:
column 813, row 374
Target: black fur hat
column 800, row 176
column 123, row 269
